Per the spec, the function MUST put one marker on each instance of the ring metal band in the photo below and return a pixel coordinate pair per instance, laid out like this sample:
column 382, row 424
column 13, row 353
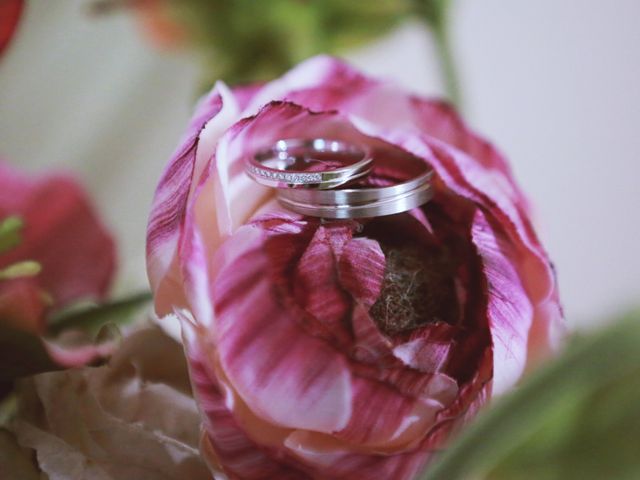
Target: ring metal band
column 388, row 205
column 272, row 166
column 361, row 202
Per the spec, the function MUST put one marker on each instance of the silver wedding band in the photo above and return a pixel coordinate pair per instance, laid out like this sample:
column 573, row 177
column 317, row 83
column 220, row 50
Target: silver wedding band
column 360, row 203
column 324, row 193
column 342, row 162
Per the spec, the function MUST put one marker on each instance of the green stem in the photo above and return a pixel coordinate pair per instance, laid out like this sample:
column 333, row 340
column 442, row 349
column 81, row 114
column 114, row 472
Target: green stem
column 447, row 61
column 95, row 316
column 435, row 13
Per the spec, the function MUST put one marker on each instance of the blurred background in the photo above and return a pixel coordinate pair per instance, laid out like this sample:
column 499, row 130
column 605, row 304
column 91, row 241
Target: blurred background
column 104, row 89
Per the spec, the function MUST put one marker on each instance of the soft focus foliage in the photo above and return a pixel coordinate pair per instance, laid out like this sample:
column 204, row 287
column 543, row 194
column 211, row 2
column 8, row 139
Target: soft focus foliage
column 577, row 419
column 247, row 40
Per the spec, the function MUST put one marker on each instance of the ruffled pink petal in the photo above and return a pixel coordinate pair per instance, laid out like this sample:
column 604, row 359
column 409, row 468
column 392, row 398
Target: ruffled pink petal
column 62, row 232
column 246, row 93
column 246, row 447
column 361, row 270
column 370, row 345
column 472, row 396
column 492, row 190
column 315, row 287
column 228, row 447
column 78, row 355
column 331, row 80
column 509, row 308
column 469, row 165
column 385, row 421
column 286, row 376
column 429, row 350
column 169, row 206
column 330, row 460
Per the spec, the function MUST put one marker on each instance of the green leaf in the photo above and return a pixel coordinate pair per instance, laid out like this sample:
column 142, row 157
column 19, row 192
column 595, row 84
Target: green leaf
column 248, row 40
column 10, row 230
column 576, row 418
column 92, row 318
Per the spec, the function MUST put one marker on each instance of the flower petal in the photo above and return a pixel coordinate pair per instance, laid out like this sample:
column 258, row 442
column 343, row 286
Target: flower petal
column 384, row 420
column 62, row 232
column 509, row 309
column 227, row 447
column 78, row 425
column 288, row 377
column 370, row 345
column 431, row 129
column 315, row 281
column 334, row 460
column 178, row 181
column 361, row 269
column 429, row 351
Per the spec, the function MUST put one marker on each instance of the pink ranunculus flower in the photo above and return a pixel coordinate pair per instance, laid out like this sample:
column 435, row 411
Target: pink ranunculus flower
column 344, row 349
column 62, row 232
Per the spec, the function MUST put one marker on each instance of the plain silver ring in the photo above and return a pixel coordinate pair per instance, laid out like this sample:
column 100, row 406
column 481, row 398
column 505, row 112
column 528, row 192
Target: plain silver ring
column 270, row 166
column 386, row 206
column 363, row 202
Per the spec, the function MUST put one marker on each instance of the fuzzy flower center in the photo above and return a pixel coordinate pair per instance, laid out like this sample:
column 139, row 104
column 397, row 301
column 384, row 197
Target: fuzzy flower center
column 418, row 288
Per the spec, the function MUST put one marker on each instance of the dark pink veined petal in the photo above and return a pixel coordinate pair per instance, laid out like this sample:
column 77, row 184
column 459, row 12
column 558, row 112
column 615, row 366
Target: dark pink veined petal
column 440, row 120
column 369, row 345
column 62, row 232
column 296, row 455
column 428, row 350
column 182, row 176
column 423, row 355
column 472, row 396
column 229, row 447
column 383, row 420
column 491, row 189
column 316, row 288
column 286, row 376
column 361, row 270
column 509, row 309
column 170, row 200
column 339, row 461
column 331, row 80
column 431, row 129
column 246, row 93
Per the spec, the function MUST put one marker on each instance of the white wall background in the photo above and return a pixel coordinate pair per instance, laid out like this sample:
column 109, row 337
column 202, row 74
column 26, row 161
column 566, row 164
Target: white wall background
column 554, row 83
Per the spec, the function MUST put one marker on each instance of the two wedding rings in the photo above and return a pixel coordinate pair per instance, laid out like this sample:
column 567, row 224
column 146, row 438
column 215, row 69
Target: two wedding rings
column 325, row 178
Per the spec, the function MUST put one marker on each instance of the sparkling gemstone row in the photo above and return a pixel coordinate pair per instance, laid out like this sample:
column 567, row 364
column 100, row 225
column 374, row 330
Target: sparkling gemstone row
column 288, row 177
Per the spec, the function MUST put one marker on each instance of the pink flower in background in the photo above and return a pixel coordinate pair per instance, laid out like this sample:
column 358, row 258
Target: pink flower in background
column 344, row 349
column 10, row 13
column 63, row 234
